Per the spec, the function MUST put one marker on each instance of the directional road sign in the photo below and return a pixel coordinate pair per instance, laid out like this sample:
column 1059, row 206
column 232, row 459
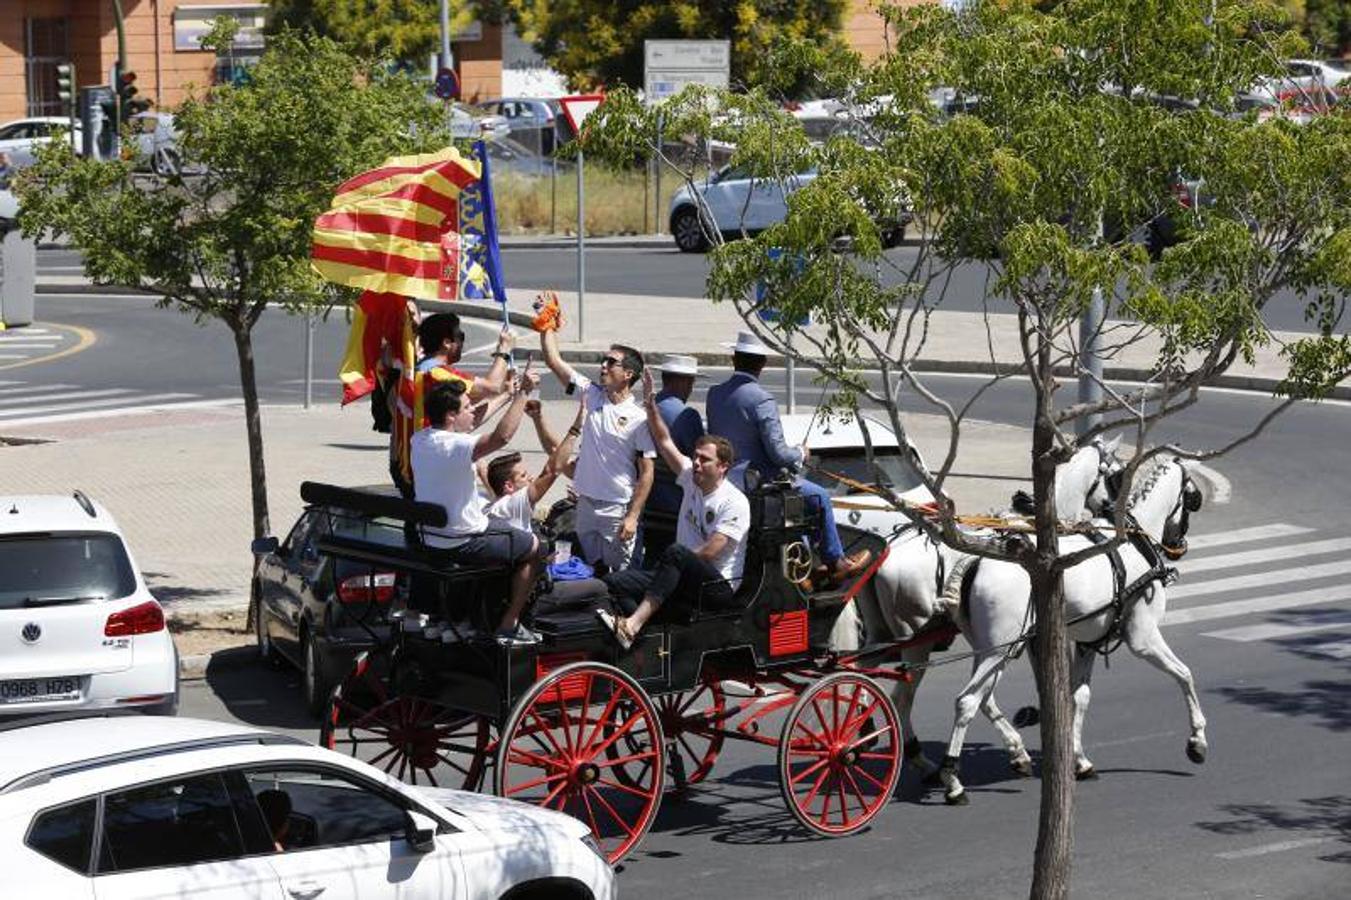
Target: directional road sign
column 670, row 65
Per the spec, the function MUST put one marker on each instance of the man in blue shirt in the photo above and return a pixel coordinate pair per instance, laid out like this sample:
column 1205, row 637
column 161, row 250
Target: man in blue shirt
column 682, row 421
column 746, row 414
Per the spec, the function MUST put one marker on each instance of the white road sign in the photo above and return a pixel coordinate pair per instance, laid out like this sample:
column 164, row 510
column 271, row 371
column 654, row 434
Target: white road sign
column 670, row 65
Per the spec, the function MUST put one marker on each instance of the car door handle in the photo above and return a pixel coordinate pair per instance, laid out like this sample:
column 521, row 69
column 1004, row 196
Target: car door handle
column 306, row 890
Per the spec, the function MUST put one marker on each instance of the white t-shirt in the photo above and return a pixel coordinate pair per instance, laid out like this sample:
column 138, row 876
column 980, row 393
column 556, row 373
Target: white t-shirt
column 725, row 511
column 613, row 436
column 443, row 473
column 511, row 509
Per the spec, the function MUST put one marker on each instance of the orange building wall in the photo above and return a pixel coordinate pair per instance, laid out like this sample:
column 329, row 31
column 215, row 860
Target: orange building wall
column 865, row 30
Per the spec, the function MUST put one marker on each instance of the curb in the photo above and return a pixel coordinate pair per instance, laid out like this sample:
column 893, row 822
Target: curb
column 193, row 668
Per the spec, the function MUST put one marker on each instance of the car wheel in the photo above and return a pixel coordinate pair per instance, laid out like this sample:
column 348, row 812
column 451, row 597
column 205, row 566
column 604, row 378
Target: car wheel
column 165, row 162
column 266, row 652
column 893, row 237
column 688, row 232
column 317, row 687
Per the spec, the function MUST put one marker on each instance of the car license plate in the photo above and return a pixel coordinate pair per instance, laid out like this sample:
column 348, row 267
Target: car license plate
column 40, row 690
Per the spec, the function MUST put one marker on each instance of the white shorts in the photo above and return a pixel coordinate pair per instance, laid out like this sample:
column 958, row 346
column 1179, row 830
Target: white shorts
column 598, row 525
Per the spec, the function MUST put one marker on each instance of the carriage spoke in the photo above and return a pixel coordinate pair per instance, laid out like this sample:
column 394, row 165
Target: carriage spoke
column 534, row 760
column 632, row 757
column 637, row 792
column 535, row 782
column 630, row 831
column 581, row 721
column 858, row 791
column 809, row 770
column 856, row 722
column 590, row 813
column 864, row 772
column 602, row 718
column 547, row 730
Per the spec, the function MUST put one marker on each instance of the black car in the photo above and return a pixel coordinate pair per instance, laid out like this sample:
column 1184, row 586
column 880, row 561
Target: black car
column 315, row 612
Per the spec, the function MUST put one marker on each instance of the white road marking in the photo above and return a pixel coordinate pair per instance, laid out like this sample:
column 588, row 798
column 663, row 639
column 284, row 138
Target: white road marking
column 1244, row 535
column 13, row 356
column 72, row 400
column 65, row 411
column 129, row 410
column 1341, row 567
column 35, row 343
column 1289, row 552
column 31, row 389
column 1249, row 633
column 1335, row 594
column 1278, row 847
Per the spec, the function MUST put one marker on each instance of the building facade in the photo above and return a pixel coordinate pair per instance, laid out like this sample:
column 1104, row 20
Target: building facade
column 162, row 47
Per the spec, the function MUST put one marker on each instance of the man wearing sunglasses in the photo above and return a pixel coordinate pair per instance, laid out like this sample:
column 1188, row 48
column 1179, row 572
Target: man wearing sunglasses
column 613, row 475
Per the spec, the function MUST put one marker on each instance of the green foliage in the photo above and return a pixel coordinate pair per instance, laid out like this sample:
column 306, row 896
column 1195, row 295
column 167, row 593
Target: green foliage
column 406, row 31
column 235, row 236
column 599, row 43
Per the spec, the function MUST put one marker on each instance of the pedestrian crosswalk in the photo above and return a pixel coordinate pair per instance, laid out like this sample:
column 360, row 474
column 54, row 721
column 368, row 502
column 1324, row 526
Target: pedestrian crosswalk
column 29, row 403
column 17, row 344
column 1289, row 581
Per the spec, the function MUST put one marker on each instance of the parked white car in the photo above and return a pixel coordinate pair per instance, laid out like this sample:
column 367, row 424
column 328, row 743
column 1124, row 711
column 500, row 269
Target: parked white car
column 738, row 203
column 92, row 808
column 156, row 142
column 79, row 629
column 21, row 138
column 839, row 447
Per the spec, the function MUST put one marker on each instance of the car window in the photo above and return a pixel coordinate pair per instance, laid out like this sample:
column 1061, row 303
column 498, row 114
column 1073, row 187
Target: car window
column 306, row 808
column 43, row 569
column 183, row 822
column 300, row 532
column 894, row 469
column 15, row 132
column 65, row 834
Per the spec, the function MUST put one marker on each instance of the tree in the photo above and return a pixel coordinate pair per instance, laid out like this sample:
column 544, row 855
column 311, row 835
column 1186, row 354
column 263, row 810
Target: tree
column 1075, row 114
column 598, row 43
column 233, row 236
column 406, row 31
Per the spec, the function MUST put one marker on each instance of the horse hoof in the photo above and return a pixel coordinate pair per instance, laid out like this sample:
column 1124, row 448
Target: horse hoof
column 1026, row 717
column 1196, row 752
column 956, row 799
column 1021, row 767
column 1089, row 774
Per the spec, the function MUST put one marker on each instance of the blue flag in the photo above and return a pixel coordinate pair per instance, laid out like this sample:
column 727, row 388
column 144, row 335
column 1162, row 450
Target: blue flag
column 481, row 270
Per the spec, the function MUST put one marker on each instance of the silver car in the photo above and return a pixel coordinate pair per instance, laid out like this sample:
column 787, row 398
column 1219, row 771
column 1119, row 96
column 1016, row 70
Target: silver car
column 155, row 141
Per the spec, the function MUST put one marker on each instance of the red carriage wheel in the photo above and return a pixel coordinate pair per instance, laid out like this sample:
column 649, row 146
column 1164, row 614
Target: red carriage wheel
column 412, row 738
column 688, row 720
column 555, row 752
column 840, row 754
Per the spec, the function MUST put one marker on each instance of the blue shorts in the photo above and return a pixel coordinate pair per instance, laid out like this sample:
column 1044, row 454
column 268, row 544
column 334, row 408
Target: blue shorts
column 500, row 545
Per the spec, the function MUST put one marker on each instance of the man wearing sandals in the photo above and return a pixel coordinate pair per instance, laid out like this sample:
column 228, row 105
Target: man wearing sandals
column 705, row 563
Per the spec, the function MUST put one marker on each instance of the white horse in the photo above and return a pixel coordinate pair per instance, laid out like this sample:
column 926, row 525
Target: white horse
column 906, row 595
column 999, row 611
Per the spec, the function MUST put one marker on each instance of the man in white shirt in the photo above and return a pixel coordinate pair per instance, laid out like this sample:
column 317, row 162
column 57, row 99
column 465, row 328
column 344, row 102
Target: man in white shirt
column 443, row 456
column 706, row 562
column 515, row 490
column 614, row 469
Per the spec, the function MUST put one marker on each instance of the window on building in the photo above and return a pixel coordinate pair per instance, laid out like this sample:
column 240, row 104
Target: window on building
column 46, row 45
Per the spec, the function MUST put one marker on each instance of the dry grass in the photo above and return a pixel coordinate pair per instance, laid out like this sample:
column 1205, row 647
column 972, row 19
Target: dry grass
column 614, row 202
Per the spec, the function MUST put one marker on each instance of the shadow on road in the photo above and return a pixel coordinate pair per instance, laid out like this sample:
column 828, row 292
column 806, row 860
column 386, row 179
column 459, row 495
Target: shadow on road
column 1325, row 701
column 259, row 694
column 167, row 592
column 1315, row 817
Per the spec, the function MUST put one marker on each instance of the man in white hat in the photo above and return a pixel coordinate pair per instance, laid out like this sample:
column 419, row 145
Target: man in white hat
column 746, row 414
column 682, row 421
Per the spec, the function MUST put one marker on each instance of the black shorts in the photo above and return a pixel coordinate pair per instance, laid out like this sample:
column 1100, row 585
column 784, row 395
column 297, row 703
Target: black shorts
column 499, row 545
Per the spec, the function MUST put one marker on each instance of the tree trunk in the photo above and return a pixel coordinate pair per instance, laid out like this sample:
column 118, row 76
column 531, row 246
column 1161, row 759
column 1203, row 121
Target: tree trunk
column 1055, row 824
column 248, row 382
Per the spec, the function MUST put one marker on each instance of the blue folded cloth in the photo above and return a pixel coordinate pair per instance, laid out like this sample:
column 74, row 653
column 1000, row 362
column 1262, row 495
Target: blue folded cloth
column 572, row 570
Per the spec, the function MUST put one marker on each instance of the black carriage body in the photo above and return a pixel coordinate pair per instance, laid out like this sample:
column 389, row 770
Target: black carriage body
column 773, row 624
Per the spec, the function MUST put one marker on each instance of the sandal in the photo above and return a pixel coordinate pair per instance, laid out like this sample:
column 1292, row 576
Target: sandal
column 617, row 627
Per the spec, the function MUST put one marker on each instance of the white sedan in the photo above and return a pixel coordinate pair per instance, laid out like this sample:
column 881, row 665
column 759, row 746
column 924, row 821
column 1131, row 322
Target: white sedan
column 79, row 629
column 20, row 139
column 95, row 808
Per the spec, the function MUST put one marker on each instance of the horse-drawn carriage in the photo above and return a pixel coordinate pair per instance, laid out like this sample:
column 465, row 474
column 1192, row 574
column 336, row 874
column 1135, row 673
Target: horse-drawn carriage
column 577, row 724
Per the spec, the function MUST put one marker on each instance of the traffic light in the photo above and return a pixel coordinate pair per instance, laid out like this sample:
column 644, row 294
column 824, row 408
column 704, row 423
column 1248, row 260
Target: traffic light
column 65, row 87
column 126, row 94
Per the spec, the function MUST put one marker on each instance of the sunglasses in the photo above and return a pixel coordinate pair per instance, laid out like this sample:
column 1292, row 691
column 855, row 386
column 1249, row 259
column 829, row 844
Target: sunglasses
column 610, row 362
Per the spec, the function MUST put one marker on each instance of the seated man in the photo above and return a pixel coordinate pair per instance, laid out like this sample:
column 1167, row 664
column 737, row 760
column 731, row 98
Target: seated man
column 709, row 553
column 748, row 416
column 515, row 490
column 443, row 456
column 276, row 807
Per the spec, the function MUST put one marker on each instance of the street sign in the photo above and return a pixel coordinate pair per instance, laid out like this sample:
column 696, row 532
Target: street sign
column 670, row 65
column 578, row 107
column 447, row 85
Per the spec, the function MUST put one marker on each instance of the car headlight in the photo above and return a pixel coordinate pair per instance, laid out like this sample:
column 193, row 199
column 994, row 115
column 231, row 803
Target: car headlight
column 589, row 840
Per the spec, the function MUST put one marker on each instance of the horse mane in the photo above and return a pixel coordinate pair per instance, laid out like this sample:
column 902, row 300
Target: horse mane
column 1151, row 479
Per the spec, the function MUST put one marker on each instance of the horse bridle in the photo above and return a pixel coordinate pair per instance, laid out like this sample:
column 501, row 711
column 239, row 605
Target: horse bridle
column 1188, row 501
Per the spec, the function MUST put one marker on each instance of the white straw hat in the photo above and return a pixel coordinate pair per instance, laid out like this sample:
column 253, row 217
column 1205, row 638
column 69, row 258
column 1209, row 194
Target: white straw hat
column 675, row 364
column 747, row 342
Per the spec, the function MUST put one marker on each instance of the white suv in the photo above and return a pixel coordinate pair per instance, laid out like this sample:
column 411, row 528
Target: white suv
column 96, row 807
column 78, row 626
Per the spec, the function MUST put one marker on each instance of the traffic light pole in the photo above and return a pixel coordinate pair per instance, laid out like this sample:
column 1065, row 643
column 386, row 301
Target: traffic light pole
column 121, row 57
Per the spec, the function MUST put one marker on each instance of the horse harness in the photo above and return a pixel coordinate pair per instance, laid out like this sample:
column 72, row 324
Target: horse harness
column 1124, row 595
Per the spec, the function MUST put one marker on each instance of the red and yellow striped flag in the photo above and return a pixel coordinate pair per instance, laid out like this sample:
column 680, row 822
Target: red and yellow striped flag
column 395, row 229
column 378, row 321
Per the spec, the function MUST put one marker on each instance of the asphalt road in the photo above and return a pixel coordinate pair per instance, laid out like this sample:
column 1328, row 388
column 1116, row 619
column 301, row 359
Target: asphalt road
column 1264, row 622
column 663, row 271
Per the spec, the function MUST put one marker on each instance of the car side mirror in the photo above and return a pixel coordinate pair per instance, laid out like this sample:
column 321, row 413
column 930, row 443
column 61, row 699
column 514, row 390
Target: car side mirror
column 264, row 545
column 420, row 829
